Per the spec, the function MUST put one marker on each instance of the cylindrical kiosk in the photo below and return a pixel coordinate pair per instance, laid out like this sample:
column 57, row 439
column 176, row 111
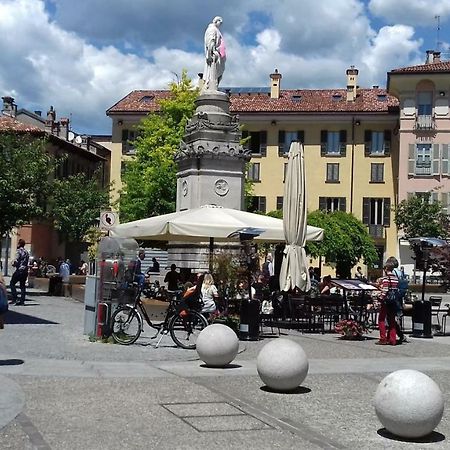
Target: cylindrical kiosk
column 421, row 319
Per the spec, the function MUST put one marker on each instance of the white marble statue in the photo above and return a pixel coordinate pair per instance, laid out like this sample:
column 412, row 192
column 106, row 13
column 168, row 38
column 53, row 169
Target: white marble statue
column 215, row 55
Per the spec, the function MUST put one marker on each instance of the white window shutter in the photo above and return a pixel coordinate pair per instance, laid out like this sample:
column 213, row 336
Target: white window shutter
column 412, row 160
column 444, row 159
column 444, row 201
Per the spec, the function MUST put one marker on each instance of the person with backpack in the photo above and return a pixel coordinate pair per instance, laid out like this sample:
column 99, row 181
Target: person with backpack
column 402, row 289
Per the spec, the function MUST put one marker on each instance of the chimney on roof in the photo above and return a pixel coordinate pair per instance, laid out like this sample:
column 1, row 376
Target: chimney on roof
column 436, row 57
column 429, row 59
column 64, row 128
column 9, row 107
column 352, row 80
column 275, row 81
column 50, row 124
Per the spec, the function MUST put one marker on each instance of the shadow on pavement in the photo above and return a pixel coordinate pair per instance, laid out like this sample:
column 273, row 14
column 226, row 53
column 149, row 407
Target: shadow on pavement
column 13, row 317
column 434, row 436
column 11, row 362
column 228, row 366
column 298, row 390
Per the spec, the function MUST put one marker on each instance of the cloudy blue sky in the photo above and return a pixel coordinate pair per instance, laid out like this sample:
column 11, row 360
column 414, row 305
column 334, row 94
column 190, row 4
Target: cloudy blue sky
column 84, row 55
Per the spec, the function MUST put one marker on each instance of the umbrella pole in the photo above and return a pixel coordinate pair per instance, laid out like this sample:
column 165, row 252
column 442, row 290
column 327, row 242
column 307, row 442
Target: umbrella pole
column 211, row 254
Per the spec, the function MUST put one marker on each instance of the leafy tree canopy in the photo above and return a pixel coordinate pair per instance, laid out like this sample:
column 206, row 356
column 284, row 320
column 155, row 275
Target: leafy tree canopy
column 25, row 169
column 417, row 217
column 76, row 204
column 346, row 241
column 150, row 177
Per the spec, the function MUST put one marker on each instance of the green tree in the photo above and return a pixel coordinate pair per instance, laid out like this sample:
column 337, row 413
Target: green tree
column 25, row 169
column 150, row 177
column 346, row 241
column 417, row 217
column 75, row 205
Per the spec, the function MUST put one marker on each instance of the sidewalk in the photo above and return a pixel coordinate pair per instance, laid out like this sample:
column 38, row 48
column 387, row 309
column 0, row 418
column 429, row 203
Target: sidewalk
column 70, row 393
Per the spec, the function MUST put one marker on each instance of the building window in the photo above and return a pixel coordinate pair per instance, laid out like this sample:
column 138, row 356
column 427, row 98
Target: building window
column 332, row 204
column 257, row 204
column 128, row 138
column 376, row 215
column 285, row 139
column 254, row 172
column 377, row 143
column 377, row 173
column 423, row 159
column 333, row 143
column 332, row 173
column 424, row 103
column 280, row 202
column 257, row 144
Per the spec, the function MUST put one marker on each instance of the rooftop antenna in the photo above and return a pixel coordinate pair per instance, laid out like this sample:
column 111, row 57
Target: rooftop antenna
column 438, row 29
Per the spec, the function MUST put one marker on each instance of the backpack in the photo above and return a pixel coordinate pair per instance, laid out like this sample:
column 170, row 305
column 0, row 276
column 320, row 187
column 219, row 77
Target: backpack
column 403, row 283
column 393, row 299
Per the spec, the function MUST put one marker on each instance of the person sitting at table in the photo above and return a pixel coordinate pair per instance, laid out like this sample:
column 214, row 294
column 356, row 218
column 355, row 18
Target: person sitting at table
column 325, row 286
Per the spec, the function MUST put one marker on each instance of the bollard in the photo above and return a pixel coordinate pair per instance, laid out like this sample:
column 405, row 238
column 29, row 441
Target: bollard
column 102, row 319
column 421, row 319
column 244, row 320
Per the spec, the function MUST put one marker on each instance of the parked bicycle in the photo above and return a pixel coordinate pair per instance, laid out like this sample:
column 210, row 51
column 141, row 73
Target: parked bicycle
column 183, row 324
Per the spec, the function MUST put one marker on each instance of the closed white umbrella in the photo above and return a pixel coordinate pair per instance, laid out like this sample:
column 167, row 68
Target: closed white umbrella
column 294, row 270
column 208, row 221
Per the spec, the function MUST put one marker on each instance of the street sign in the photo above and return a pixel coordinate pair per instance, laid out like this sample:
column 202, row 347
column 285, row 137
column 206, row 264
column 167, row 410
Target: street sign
column 108, row 219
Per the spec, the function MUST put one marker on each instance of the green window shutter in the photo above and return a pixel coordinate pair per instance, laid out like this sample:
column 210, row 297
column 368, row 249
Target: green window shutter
column 281, row 139
column 386, row 212
column 323, row 142
column 343, row 142
column 444, row 159
column 367, row 142
column 263, row 143
column 387, row 142
column 322, row 203
column 436, row 159
column 342, row 204
column 366, row 210
column 412, row 160
column 301, row 136
column 444, row 200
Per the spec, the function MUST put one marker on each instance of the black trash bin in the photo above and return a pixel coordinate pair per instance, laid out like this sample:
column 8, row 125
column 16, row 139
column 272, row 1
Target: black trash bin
column 421, row 319
column 249, row 320
column 55, row 285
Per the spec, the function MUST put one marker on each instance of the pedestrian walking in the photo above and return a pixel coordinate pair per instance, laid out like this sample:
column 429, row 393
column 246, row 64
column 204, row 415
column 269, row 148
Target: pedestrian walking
column 3, row 301
column 20, row 274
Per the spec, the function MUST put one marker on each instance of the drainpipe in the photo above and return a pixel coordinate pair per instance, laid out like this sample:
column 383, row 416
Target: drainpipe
column 352, row 164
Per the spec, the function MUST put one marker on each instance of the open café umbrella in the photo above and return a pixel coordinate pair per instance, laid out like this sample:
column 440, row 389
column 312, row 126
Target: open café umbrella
column 294, row 270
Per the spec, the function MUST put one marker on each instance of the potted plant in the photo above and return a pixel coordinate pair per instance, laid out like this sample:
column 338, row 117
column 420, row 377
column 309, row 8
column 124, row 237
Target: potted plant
column 351, row 329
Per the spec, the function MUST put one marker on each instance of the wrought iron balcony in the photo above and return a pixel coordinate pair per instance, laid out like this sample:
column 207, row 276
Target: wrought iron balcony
column 425, row 123
column 376, row 231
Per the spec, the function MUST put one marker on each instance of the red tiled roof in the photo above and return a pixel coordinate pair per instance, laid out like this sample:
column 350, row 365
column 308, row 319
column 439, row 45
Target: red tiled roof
column 319, row 100
column 9, row 124
column 436, row 67
column 310, row 101
column 139, row 101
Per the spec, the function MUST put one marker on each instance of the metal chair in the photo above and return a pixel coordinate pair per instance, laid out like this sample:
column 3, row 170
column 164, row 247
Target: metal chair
column 436, row 307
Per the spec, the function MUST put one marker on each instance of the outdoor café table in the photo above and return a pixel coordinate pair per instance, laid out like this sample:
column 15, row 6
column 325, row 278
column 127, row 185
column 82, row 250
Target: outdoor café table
column 354, row 287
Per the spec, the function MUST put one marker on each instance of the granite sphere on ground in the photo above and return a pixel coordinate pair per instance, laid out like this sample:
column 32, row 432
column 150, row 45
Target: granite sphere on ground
column 282, row 365
column 409, row 403
column 217, row 345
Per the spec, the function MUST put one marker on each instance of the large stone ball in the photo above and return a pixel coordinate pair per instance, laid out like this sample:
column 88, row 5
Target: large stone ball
column 217, row 345
column 282, row 365
column 409, row 404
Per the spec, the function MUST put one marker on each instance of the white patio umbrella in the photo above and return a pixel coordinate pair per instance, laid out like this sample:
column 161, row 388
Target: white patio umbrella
column 294, row 270
column 209, row 221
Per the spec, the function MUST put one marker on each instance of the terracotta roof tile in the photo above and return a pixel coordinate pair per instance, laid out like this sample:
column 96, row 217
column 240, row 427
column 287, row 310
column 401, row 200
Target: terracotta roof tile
column 298, row 101
column 9, row 124
column 436, row 67
column 139, row 101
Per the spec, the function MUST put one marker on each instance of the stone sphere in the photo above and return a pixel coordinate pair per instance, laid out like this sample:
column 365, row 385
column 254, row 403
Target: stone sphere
column 282, row 365
column 409, row 404
column 217, row 345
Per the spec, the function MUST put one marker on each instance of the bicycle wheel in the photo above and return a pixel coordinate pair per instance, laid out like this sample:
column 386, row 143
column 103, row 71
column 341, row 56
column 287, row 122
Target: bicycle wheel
column 126, row 325
column 185, row 328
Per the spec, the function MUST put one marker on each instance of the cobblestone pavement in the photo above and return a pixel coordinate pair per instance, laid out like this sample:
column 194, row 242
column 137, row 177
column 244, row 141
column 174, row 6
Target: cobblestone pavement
column 59, row 390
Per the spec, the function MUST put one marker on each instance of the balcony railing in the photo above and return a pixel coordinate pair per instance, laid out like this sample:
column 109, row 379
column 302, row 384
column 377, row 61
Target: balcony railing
column 376, row 231
column 423, row 170
column 425, row 123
